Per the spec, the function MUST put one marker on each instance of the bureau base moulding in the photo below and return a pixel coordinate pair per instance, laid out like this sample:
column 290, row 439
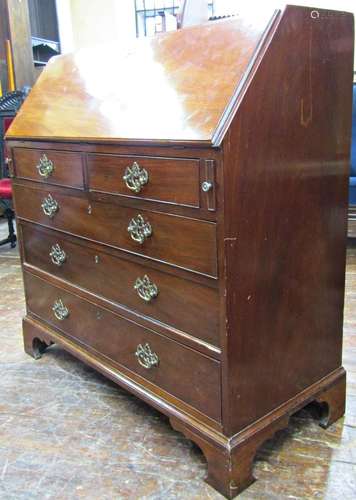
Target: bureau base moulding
column 230, row 459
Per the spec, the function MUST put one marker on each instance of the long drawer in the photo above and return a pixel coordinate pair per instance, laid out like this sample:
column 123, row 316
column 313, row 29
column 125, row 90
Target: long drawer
column 185, row 305
column 62, row 168
column 188, row 243
column 171, row 180
column 184, row 373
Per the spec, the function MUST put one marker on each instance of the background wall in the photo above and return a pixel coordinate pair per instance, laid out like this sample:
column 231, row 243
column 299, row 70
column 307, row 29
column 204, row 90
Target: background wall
column 83, row 23
column 89, row 22
column 223, row 6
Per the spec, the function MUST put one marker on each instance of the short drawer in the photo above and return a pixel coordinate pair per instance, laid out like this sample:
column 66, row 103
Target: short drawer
column 180, row 241
column 184, row 373
column 52, row 167
column 160, row 179
column 187, row 306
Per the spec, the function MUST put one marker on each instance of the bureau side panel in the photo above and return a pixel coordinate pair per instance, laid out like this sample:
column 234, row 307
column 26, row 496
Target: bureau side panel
column 286, row 164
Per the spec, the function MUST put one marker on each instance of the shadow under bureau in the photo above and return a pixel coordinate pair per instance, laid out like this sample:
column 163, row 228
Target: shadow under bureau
column 182, row 222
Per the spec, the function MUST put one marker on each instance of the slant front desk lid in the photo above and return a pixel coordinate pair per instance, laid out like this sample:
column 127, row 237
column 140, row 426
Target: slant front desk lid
column 176, row 87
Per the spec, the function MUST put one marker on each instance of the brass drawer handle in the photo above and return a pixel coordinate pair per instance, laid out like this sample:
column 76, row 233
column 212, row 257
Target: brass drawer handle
column 146, row 289
column 139, row 229
column 45, row 167
column 135, row 177
column 58, row 256
column 146, row 357
column 61, row 312
column 50, row 206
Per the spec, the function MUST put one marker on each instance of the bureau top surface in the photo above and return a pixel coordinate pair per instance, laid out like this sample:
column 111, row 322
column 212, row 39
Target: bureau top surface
column 175, row 87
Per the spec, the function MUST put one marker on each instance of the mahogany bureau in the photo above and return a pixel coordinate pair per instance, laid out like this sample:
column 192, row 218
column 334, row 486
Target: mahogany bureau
column 181, row 206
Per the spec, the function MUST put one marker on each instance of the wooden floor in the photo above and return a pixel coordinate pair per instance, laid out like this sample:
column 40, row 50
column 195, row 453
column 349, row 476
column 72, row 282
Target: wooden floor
column 67, row 433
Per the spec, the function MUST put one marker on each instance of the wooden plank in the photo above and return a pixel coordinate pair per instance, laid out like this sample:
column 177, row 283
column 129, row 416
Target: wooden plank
column 19, row 26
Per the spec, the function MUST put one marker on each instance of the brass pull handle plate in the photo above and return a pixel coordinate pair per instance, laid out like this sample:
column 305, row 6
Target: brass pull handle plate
column 60, row 311
column 146, row 357
column 50, row 206
column 135, row 177
column 58, row 256
column 45, row 167
column 139, row 229
column 146, row 289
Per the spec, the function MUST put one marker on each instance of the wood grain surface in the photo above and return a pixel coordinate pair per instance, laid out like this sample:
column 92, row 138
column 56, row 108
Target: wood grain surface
column 174, row 87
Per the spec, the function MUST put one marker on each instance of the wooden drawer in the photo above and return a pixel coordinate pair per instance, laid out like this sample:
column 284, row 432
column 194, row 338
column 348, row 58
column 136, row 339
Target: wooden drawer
column 183, row 304
column 188, row 243
column 186, row 374
column 52, row 167
column 172, row 180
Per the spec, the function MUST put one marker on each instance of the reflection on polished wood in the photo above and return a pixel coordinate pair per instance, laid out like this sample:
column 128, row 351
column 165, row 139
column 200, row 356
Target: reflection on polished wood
column 173, row 87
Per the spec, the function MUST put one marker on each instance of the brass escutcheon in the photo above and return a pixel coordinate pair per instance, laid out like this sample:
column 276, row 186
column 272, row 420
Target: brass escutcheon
column 135, row 177
column 139, row 229
column 50, row 206
column 146, row 357
column 58, row 256
column 60, row 311
column 45, row 167
column 146, row 289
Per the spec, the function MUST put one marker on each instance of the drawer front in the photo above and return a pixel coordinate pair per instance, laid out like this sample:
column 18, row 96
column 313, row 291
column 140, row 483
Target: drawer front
column 159, row 179
column 186, row 374
column 183, row 304
column 188, row 243
column 52, row 167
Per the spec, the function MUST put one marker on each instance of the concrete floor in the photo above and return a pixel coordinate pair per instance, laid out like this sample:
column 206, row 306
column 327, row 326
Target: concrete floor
column 68, row 433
